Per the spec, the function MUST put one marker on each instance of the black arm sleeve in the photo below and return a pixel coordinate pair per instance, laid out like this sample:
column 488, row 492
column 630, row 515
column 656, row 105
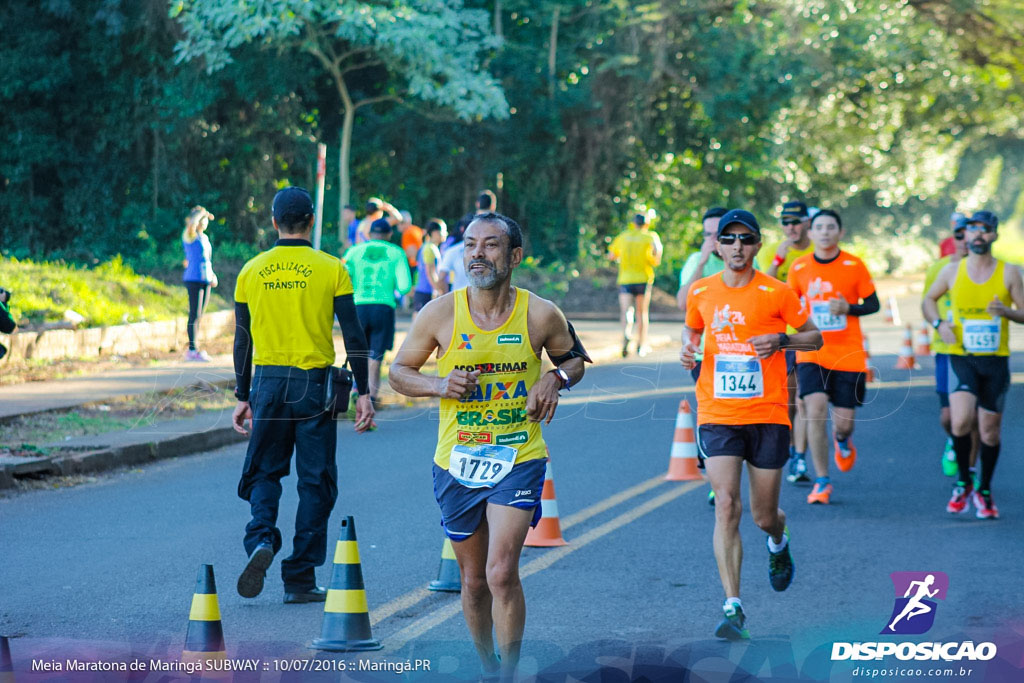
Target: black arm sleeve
column 355, row 341
column 870, row 305
column 242, row 351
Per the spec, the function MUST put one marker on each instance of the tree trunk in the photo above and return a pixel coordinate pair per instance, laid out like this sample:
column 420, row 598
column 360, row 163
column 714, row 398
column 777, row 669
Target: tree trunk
column 553, row 51
column 344, row 184
column 156, row 170
column 497, row 19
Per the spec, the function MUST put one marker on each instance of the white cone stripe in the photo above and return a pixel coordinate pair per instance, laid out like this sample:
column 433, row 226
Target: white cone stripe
column 684, row 421
column 549, row 508
column 548, row 474
column 684, row 449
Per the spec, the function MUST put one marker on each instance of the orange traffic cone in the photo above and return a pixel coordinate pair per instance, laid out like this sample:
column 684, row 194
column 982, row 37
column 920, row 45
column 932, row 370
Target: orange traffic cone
column 548, row 531
column 448, row 578
column 892, row 314
column 204, row 639
column 907, row 360
column 682, row 465
column 923, row 346
column 346, row 625
column 870, row 372
column 6, row 665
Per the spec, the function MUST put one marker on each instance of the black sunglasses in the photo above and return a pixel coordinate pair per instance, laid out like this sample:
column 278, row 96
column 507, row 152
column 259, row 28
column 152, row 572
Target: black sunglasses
column 746, row 239
column 959, row 233
column 980, row 227
column 792, row 222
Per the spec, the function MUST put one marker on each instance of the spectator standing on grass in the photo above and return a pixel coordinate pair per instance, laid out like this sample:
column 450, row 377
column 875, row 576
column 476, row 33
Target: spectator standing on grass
column 7, row 324
column 199, row 277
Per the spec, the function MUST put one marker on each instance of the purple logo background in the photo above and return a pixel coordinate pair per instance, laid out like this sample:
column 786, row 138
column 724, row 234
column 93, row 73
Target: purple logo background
column 913, row 615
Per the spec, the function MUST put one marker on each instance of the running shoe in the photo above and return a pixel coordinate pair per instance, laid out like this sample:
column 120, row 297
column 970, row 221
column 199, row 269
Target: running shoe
column 845, row 457
column 732, row 627
column 983, row 505
column 797, row 470
column 820, row 494
column 949, row 467
column 643, row 351
column 780, row 566
column 961, row 495
column 711, row 498
column 625, row 347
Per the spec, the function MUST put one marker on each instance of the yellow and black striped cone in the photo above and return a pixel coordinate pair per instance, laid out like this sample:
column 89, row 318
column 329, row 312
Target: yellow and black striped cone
column 346, row 626
column 448, row 579
column 6, row 665
column 205, row 637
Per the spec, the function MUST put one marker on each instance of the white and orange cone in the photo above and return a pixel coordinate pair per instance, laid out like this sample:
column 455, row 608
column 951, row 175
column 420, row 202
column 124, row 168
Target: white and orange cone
column 870, row 372
column 892, row 313
column 907, row 360
column 682, row 465
column 548, row 532
column 923, row 344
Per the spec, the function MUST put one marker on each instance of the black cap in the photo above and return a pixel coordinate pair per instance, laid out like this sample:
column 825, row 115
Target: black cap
column 794, row 210
column 380, row 225
column 985, row 218
column 292, row 204
column 714, row 212
column 739, row 216
column 640, row 219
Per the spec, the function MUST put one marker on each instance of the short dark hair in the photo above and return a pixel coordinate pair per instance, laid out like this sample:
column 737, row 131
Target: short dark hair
column 509, row 226
column 381, row 225
column 372, row 207
column 487, row 201
column 435, row 225
column 828, row 212
column 351, row 207
column 714, row 212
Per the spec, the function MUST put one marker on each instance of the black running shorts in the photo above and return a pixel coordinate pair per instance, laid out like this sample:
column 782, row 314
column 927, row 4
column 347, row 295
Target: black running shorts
column 765, row 446
column 987, row 377
column 845, row 389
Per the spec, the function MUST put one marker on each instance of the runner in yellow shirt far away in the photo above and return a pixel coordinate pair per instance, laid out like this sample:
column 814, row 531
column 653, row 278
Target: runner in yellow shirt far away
column 637, row 250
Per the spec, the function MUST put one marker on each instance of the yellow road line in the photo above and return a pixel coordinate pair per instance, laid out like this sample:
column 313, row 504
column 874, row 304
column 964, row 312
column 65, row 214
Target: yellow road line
column 416, row 629
column 417, row 595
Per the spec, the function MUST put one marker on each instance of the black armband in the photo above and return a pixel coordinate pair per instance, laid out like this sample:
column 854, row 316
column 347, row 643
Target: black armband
column 242, row 351
column 577, row 350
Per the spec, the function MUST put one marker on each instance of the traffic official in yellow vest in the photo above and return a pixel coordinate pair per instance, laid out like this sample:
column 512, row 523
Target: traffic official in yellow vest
column 286, row 300
column 490, row 455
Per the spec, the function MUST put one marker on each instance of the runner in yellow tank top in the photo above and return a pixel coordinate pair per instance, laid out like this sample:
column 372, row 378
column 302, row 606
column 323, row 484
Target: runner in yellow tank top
column 489, row 461
column 985, row 295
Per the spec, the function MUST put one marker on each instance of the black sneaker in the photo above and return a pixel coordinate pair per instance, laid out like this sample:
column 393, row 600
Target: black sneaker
column 780, row 566
column 250, row 583
column 733, row 626
column 314, row 594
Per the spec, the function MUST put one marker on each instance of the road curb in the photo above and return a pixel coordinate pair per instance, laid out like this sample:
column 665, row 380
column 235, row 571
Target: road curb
column 101, row 460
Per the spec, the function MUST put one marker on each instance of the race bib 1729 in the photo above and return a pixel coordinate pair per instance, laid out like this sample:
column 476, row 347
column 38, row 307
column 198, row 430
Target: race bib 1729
column 481, row 466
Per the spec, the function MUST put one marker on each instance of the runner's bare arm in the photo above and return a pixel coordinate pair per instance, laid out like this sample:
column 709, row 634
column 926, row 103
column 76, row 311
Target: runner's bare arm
column 433, row 323
column 930, row 302
column 806, row 338
column 550, row 332
column 1012, row 278
column 691, row 344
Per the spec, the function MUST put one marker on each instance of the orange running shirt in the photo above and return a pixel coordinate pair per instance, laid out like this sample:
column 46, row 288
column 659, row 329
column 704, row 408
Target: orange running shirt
column 412, row 237
column 817, row 283
column 735, row 386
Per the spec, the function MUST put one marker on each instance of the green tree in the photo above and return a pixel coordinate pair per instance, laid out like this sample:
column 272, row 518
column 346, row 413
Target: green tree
column 428, row 50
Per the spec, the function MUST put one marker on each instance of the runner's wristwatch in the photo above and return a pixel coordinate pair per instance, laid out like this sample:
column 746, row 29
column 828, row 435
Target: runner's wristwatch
column 560, row 374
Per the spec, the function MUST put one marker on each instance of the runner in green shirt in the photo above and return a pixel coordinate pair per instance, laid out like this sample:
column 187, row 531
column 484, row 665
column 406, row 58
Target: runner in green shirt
column 379, row 271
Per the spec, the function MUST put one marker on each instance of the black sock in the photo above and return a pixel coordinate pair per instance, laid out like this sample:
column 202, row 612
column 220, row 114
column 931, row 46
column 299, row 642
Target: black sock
column 962, row 448
column 989, row 455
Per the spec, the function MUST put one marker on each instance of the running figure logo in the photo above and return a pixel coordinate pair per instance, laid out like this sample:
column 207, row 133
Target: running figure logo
column 914, row 612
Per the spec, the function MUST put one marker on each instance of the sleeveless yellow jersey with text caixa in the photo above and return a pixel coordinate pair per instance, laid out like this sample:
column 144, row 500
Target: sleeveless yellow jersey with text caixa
column 977, row 332
column 492, row 422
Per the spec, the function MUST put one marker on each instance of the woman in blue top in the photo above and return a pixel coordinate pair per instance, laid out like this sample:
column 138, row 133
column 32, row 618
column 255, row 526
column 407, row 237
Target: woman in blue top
column 199, row 276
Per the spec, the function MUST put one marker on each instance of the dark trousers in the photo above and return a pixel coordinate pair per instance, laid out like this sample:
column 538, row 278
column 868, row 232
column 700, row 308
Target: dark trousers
column 288, row 414
column 198, row 297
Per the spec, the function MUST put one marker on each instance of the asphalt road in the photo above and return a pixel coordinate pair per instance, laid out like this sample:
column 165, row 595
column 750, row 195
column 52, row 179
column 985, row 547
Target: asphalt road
column 105, row 570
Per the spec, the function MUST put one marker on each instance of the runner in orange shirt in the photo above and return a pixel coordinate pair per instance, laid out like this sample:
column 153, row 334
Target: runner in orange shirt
column 837, row 288
column 742, row 400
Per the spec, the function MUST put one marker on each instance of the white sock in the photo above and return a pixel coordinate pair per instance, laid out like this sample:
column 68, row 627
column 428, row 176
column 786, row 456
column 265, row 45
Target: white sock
column 735, row 602
column 777, row 547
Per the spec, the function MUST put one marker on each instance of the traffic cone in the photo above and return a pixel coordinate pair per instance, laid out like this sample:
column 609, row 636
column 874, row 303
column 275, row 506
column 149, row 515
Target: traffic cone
column 548, row 532
column 448, row 578
column 682, row 465
column 906, row 360
column 346, row 625
column 892, row 314
column 6, row 665
column 923, row 347
column 870, row 372
column 205, row 636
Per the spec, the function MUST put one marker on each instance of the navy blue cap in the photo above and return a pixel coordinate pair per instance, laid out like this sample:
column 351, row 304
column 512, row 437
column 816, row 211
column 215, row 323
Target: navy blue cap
column 380, row 225
column 959, row 221
column 794, row 209
column 985, row 218
column 640, row 219
column 739, row 216
column 714, row 212
column 292, row 204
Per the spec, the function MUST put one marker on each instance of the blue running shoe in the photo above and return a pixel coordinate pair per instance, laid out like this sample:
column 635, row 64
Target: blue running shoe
column 733, row 626
column 780, row 566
